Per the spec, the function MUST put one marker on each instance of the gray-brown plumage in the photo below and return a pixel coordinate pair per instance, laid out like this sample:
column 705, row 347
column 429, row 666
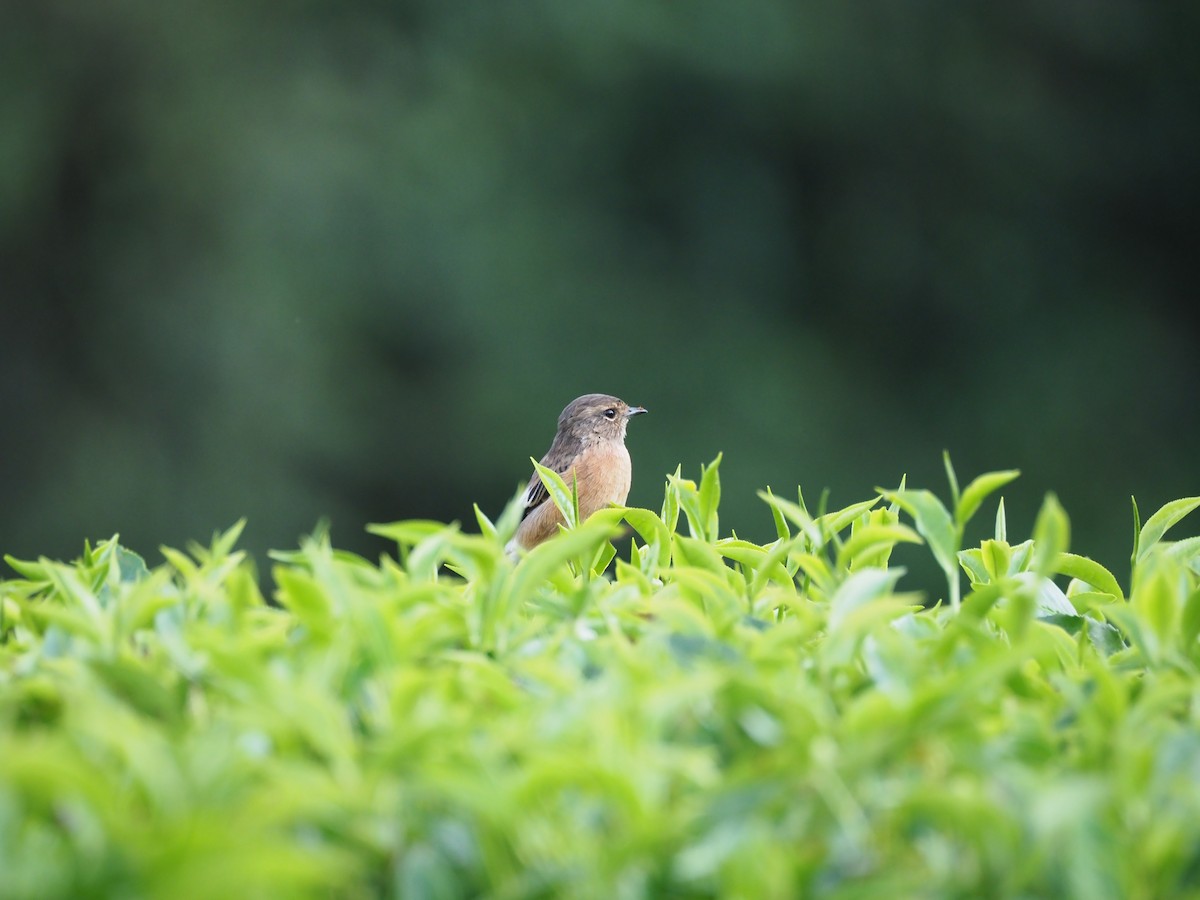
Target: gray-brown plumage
column 589, row 447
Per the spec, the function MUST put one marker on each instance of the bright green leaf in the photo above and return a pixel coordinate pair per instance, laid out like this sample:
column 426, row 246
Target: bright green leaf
column 1051, row 535
column 978, row 491
column 1158, row 524
column 1088, row 571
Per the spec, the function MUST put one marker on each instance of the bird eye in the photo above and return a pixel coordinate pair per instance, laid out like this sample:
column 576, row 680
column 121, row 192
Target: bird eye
column 610, row 413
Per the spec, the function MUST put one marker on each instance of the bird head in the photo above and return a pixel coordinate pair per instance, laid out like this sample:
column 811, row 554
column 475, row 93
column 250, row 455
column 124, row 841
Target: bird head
column 596, row 417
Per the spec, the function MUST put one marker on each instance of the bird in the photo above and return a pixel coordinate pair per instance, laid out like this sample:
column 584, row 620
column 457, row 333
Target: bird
column 589, row 450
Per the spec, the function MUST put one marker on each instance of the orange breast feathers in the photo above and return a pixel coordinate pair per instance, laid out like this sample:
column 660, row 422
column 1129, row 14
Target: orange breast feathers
column 603, row 472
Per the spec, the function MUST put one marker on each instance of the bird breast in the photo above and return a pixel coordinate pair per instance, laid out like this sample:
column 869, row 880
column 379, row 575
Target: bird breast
column 604, row 473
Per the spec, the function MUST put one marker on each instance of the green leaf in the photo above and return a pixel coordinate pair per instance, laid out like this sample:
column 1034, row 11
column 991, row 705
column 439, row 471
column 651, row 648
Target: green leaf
column 1189, row 625
column 299, row 592
column 797, row 515
column 1159, row 523
column 866, row 544
column 978, row 491
column 935, row 525
column 1086, row 601
column 653, row 531
column 972, row 562
column 603, row 556
column 181, row 563
column 858, row 590
column 627, row 573
column 74, row 593
column 1023, row 603
column 861, row 605
column 753, row 558
column 564, row 497
column 427, row 556
column 408, row 533
column 1104, row 637
column 1185, row 551
column 1051, row 535
column 34, row 571
column 69, row 620
column 980, row 601
column 997, row 559
column 130, row 566
column 781, row 526
column 152, row 595
column 1049, row 598
column 486, row 528
column 1101, row 635
column 951, row 478
column 817, row 570
column 1154, row 602
column 689, row 501
column 777, row 555
column 146, row 692
column 710, row 498
column 242, row 587
column 895, row 507
column 1137, row 531
column 709, row 590
column 670, row 509
column 224, row 542
column 1088, row 571
column 832, row 523
column 698, row 553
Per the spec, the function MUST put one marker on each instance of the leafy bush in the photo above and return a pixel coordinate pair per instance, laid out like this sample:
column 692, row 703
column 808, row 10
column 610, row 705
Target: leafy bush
column 713, row 718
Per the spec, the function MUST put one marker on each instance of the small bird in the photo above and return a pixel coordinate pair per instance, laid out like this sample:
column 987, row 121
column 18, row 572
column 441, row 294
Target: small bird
column 588, row 447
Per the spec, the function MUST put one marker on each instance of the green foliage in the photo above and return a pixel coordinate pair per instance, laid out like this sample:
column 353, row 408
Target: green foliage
column 707, row 717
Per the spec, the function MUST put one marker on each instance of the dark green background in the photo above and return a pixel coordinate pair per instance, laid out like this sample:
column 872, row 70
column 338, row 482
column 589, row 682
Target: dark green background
column 290, row 261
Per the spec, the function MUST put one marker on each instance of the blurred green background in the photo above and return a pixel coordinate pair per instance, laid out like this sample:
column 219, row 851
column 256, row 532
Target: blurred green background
column 350, row 260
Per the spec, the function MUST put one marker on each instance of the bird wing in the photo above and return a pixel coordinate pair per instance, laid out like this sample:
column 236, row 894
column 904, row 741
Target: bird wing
column 535, row 495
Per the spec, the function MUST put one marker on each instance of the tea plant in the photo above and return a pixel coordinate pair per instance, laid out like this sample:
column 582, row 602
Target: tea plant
column 708, row 717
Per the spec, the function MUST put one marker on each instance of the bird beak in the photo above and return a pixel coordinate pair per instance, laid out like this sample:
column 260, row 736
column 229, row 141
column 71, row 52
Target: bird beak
column 635, row 411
